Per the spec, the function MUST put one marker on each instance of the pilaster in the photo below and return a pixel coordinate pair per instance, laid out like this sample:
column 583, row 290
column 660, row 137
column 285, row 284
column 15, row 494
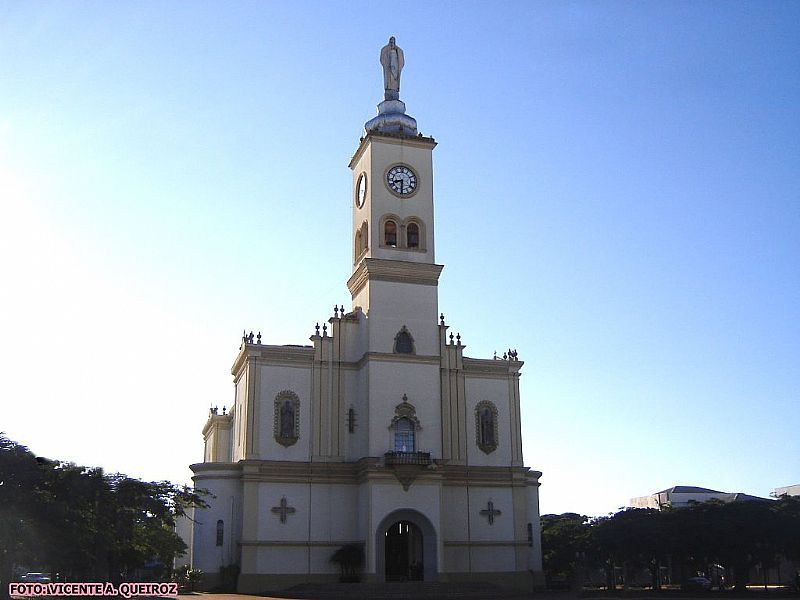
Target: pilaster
column 453, row 399
column 252, row 416
column 516, row 425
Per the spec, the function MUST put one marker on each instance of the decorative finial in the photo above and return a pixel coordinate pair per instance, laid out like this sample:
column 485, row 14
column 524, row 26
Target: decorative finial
column 341, row 310
column 317, row 328
column 258, row 338
column 324, row 330
column 215, row 410
column 495, row 355
column 244, row 335
column 335, row 311
column 224, row 410
column 405, row 398
column 451, row 337
column 458, row 338
column 441, row 318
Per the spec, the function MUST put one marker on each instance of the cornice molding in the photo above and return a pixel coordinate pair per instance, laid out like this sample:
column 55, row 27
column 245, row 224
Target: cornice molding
column 369, row 468
column 265, row 354
column 397, row 357
column 490, row 366
column 300, row 543
column 398, row 271
column 419, row 141
column 217, row 422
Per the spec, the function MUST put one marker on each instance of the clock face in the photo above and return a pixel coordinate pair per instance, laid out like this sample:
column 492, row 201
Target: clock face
column 401, row 180
column 361, row 190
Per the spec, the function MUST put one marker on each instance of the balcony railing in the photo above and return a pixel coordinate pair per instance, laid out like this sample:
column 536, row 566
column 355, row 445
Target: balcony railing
column 407, row 458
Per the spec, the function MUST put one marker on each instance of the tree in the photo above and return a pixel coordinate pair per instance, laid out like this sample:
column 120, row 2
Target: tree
column 82, row 523
column 565, row 541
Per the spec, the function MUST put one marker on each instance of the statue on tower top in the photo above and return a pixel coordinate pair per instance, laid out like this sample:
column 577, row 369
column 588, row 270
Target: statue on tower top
column 392, row 117
column 392, row 62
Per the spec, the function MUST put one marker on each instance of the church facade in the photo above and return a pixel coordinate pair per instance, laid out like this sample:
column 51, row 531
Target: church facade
column 380, row 434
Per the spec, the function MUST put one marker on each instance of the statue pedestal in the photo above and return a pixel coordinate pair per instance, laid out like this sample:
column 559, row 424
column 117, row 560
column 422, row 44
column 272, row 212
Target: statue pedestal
column 392, row 118
column 392, row 106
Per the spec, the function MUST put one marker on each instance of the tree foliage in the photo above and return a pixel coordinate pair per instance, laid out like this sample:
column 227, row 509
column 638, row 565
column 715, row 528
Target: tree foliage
column 565, row 539
column 736, row 535
column 80, row 522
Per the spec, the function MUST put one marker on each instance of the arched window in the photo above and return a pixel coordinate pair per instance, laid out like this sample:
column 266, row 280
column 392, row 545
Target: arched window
column 361, row 242
column 220, row 532
column 390, row 233
column 412, row 235
column 403, row 342
column 364, row 236
column 404, row 435
column 358, row 243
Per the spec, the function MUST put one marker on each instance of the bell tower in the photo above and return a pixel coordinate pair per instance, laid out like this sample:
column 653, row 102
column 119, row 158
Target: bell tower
column 395, row 276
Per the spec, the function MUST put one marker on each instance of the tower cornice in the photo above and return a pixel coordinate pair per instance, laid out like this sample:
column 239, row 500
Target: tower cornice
column 399, row 271
column 417, row 141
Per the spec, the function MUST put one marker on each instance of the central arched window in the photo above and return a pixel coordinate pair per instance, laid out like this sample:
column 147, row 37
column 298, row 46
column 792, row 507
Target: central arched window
column 390, row 233
column 412, row 235
column 404, row 435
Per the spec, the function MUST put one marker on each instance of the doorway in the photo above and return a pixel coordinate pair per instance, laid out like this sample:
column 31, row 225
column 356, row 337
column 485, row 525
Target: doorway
column 404, row 558
column 406, row 547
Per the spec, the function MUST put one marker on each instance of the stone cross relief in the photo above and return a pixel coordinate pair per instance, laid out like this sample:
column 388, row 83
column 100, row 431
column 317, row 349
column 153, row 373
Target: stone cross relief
column 489, row 512
column 283, row 510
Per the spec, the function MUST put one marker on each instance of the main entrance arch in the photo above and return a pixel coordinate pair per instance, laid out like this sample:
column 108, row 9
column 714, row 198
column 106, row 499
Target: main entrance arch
column 405, row 547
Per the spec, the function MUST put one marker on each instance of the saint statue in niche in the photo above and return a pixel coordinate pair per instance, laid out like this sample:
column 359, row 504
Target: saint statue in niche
column 487, row 427
column 287, row 420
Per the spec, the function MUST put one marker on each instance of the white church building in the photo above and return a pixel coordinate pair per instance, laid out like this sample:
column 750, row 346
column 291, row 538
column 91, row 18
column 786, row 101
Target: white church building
column 380, row 432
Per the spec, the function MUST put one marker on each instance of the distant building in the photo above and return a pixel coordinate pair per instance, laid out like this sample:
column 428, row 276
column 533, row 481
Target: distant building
column 789, row 490
column 680, row 496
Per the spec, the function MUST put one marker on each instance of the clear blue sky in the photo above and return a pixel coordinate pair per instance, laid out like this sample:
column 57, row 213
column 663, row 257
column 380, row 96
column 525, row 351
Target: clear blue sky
column 617, row 197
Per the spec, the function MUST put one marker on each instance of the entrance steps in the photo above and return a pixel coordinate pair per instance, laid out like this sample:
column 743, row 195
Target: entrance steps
column 412, row 590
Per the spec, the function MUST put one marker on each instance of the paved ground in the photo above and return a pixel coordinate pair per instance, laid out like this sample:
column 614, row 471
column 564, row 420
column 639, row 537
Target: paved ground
column 411, row 595
column 478, row 591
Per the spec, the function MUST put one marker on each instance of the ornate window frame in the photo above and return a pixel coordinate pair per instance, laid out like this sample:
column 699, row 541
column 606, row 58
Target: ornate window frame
column 406, row 410
column 404, row 330
column 487, row 448
column 280, row 400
